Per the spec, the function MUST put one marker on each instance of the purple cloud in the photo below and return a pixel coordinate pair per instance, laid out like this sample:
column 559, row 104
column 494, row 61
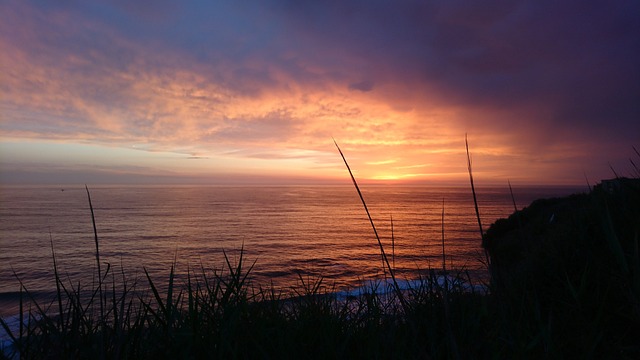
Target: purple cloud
column 364, row 86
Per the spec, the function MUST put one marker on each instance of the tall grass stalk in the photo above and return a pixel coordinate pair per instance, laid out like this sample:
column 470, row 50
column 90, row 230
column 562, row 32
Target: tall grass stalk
column 95, row 237
column 588, row 183
column 515, row 207
column 393, row 246
column 635, row 166
column 444, row 265
column 445, row 295
column 475, row 202
column 366, row 209
column 615, row 173
column 57, row 280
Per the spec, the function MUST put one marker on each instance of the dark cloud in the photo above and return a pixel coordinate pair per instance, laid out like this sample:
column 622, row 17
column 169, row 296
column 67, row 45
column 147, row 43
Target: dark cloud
column 578, row 62
column 364, row 86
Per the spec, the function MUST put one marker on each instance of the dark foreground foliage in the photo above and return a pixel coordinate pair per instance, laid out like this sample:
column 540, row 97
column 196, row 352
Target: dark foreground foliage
column 565, row 283
column 566, row 274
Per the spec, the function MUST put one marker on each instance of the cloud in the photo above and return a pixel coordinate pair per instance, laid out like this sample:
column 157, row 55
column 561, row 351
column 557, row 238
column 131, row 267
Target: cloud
column 529, row 81
column 382, row 162
column 567, row 64
column 364, row 86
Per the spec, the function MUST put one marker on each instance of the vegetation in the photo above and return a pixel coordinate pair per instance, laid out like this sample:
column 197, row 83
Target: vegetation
column 566, row 274
column 565, row 283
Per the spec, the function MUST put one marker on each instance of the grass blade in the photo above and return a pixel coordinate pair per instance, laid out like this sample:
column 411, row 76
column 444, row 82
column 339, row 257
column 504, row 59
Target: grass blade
column 57, row 277
column 393, row 246
column 515, row 207
column 444, row 258
column 95, row 236
column 384, row 255
column 475, row 201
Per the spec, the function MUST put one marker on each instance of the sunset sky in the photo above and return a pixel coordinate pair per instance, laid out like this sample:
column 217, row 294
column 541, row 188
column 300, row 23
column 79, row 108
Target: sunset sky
column 234, row 92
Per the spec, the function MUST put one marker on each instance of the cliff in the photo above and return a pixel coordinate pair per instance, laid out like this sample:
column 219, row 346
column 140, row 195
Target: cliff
column 573, row 262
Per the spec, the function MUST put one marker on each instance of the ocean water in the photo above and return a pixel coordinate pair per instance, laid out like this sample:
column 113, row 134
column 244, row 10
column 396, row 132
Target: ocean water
column 288, row 231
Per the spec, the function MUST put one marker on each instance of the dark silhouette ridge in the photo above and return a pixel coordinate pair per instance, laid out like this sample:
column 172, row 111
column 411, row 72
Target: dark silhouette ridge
column 575, row 258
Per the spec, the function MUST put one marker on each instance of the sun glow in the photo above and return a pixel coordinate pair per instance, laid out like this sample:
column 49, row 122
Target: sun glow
column 387, row 177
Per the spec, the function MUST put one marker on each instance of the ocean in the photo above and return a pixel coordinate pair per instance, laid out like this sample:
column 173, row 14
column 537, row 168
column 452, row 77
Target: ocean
column 290, row 232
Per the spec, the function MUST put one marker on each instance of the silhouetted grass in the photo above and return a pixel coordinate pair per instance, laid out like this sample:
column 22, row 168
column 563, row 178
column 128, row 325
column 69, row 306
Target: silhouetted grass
column 220, row 316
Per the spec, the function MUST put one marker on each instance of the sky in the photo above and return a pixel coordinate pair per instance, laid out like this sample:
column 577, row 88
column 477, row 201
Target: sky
column 256, row 91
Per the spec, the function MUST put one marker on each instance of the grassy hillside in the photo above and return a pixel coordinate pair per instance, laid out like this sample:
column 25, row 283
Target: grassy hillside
column 567, row 270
